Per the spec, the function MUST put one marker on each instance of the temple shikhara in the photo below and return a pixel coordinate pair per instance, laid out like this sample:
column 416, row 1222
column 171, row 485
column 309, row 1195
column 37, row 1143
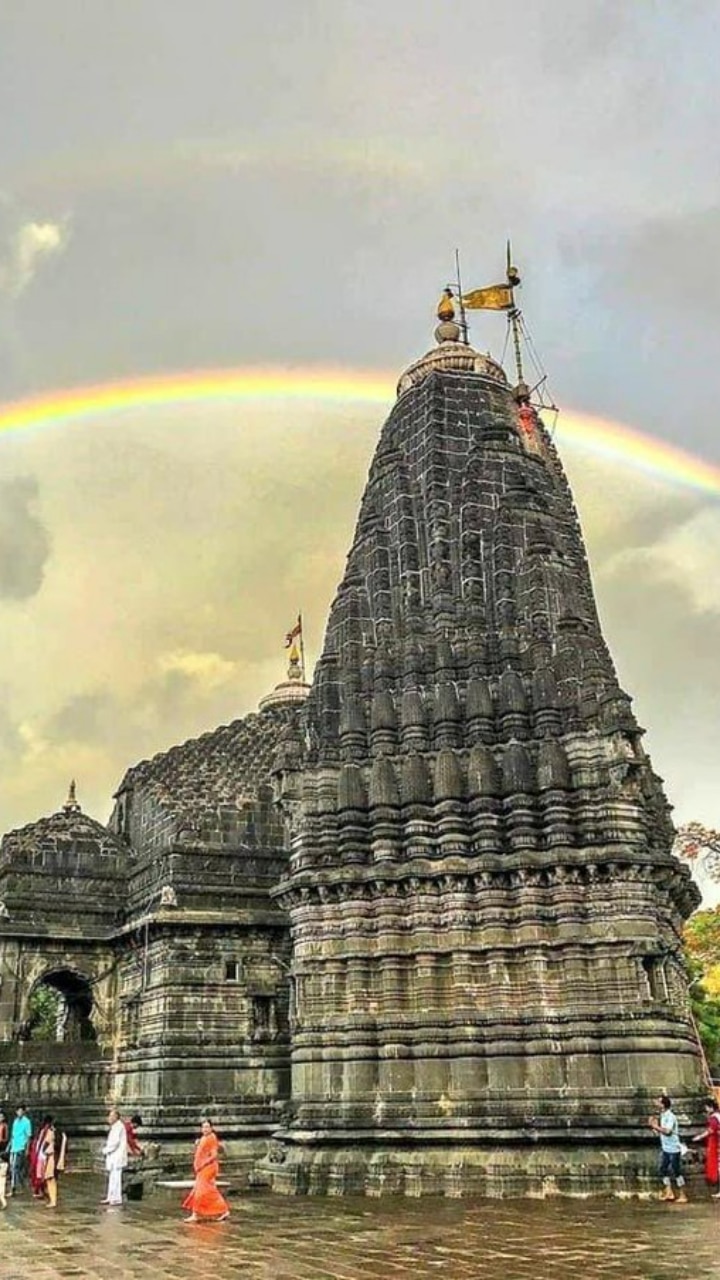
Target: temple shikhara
column 414, row 928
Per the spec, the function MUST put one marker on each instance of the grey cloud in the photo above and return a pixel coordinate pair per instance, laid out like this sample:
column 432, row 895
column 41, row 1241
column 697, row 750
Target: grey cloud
column 84, row 718
column 25, row 244
column 303, row 205
column 166, row 708
column 11, row 742
column 673, row 261
column 573, row 36
column 24, row 540
column 664, row 641
column 645, row 524
column 666, row 650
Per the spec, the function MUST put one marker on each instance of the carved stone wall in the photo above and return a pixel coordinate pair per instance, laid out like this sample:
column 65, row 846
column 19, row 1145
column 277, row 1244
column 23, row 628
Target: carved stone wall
column 203, row 1025
column 167, row 919
column 481, row 983
column 484, row 908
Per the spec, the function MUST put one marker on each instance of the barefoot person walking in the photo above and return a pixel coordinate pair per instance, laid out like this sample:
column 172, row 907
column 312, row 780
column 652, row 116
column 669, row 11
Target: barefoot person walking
column 711, row 1137
column 667, row 1129
column 205, row 1201
column 116, row 1157
column 54, row 1147
column 20, row 1136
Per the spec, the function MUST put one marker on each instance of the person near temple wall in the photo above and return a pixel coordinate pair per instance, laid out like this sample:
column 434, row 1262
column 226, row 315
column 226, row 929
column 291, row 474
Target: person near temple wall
column 131, row 1127
column 20, row 1136
column 36, row 1159
column 4, row 1170
column 54, row 1152
column 671, row 1151
column 205, row 1201
column 115, row 1152
column 4, row 1132
column 711, row 1137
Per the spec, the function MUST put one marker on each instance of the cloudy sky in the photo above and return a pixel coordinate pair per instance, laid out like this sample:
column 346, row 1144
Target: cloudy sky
column 190, row 186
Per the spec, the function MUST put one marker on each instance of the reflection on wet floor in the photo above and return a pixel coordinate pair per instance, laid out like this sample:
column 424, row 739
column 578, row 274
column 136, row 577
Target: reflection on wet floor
column 272, row 1238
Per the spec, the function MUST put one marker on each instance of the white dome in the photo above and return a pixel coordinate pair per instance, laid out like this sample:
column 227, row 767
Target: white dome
column 455, row 357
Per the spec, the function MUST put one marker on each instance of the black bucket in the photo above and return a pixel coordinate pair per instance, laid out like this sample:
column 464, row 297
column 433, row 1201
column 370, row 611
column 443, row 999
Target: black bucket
column 134, row 1190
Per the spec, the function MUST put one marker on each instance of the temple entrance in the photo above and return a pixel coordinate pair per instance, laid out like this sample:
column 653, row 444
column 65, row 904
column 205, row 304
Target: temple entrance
column 60, row 1009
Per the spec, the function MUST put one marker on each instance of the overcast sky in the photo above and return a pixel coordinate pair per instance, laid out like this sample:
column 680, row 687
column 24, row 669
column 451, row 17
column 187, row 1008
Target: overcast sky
column 225, row 184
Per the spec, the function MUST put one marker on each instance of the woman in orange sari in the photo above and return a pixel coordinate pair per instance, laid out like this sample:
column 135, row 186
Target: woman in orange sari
column 205, row 1200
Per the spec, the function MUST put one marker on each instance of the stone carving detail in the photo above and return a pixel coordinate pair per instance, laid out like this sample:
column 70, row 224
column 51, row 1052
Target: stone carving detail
column 447, row 873
column 465, row 936
column 157, row 938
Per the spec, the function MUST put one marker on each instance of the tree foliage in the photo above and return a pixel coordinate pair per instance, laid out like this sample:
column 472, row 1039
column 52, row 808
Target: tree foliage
column 44, row 1007
column 702, row 939
column 706, row 1012
column 699, row 845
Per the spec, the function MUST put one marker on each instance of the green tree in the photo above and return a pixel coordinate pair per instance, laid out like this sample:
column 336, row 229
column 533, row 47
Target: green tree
column 699, row 846
column 702, row 940
column 44, row 1011
column 706, row 1012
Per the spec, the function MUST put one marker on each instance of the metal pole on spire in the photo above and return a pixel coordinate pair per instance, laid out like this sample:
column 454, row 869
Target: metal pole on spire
column 513, row 279
column 461, row 303
column 302, row 647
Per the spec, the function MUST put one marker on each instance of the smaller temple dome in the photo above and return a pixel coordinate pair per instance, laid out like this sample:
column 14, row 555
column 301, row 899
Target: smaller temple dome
column 291, row 691
column 62, row 829
column 65, row 871
column 451, row 354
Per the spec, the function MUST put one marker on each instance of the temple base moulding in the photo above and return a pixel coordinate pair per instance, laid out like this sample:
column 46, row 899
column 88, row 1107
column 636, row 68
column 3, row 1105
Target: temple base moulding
column 459, row 1172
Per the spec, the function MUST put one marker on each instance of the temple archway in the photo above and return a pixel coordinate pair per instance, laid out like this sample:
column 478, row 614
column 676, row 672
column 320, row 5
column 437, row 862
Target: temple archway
column 60, row 1009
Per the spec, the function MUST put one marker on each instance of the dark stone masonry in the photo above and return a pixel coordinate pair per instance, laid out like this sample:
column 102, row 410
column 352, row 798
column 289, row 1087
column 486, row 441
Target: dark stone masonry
column 419, row 924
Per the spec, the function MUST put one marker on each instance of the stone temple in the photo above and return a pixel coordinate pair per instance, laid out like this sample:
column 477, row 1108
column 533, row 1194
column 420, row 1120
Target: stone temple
column 417, row 925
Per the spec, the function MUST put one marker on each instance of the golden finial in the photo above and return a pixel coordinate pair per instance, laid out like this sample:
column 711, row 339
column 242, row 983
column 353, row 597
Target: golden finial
column 294, row 668
column 71, row 804
column 513, row 275
column 446, row 307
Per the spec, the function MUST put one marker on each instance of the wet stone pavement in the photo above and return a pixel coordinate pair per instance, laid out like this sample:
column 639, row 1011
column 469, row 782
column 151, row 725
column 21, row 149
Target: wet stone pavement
column 272, row 1238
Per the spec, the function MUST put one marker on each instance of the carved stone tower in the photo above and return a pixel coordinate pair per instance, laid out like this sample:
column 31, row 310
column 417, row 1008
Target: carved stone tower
column 484, row 908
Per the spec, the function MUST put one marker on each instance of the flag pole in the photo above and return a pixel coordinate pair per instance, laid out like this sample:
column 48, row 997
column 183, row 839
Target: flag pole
column 302, row 648
column 461, row 304
column 514, row 318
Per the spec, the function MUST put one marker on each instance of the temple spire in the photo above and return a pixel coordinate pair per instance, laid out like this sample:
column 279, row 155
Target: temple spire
column 471, row 815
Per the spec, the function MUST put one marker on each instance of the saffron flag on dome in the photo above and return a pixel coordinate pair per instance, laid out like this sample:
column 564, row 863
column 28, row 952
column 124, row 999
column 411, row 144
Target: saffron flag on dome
column 496, row 297
column 292, row 635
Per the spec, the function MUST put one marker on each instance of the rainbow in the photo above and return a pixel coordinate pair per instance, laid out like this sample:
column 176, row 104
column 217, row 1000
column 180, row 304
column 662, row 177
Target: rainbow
column 612, row 441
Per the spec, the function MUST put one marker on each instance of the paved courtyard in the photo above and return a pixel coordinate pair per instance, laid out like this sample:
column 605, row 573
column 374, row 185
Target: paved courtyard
column 271, row 1238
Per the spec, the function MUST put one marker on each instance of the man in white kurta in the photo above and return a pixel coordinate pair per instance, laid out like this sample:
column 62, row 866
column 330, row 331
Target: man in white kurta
column 116, row 1157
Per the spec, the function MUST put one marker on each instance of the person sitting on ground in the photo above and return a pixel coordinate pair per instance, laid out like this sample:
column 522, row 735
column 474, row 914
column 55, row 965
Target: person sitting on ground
column 668, row 1131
